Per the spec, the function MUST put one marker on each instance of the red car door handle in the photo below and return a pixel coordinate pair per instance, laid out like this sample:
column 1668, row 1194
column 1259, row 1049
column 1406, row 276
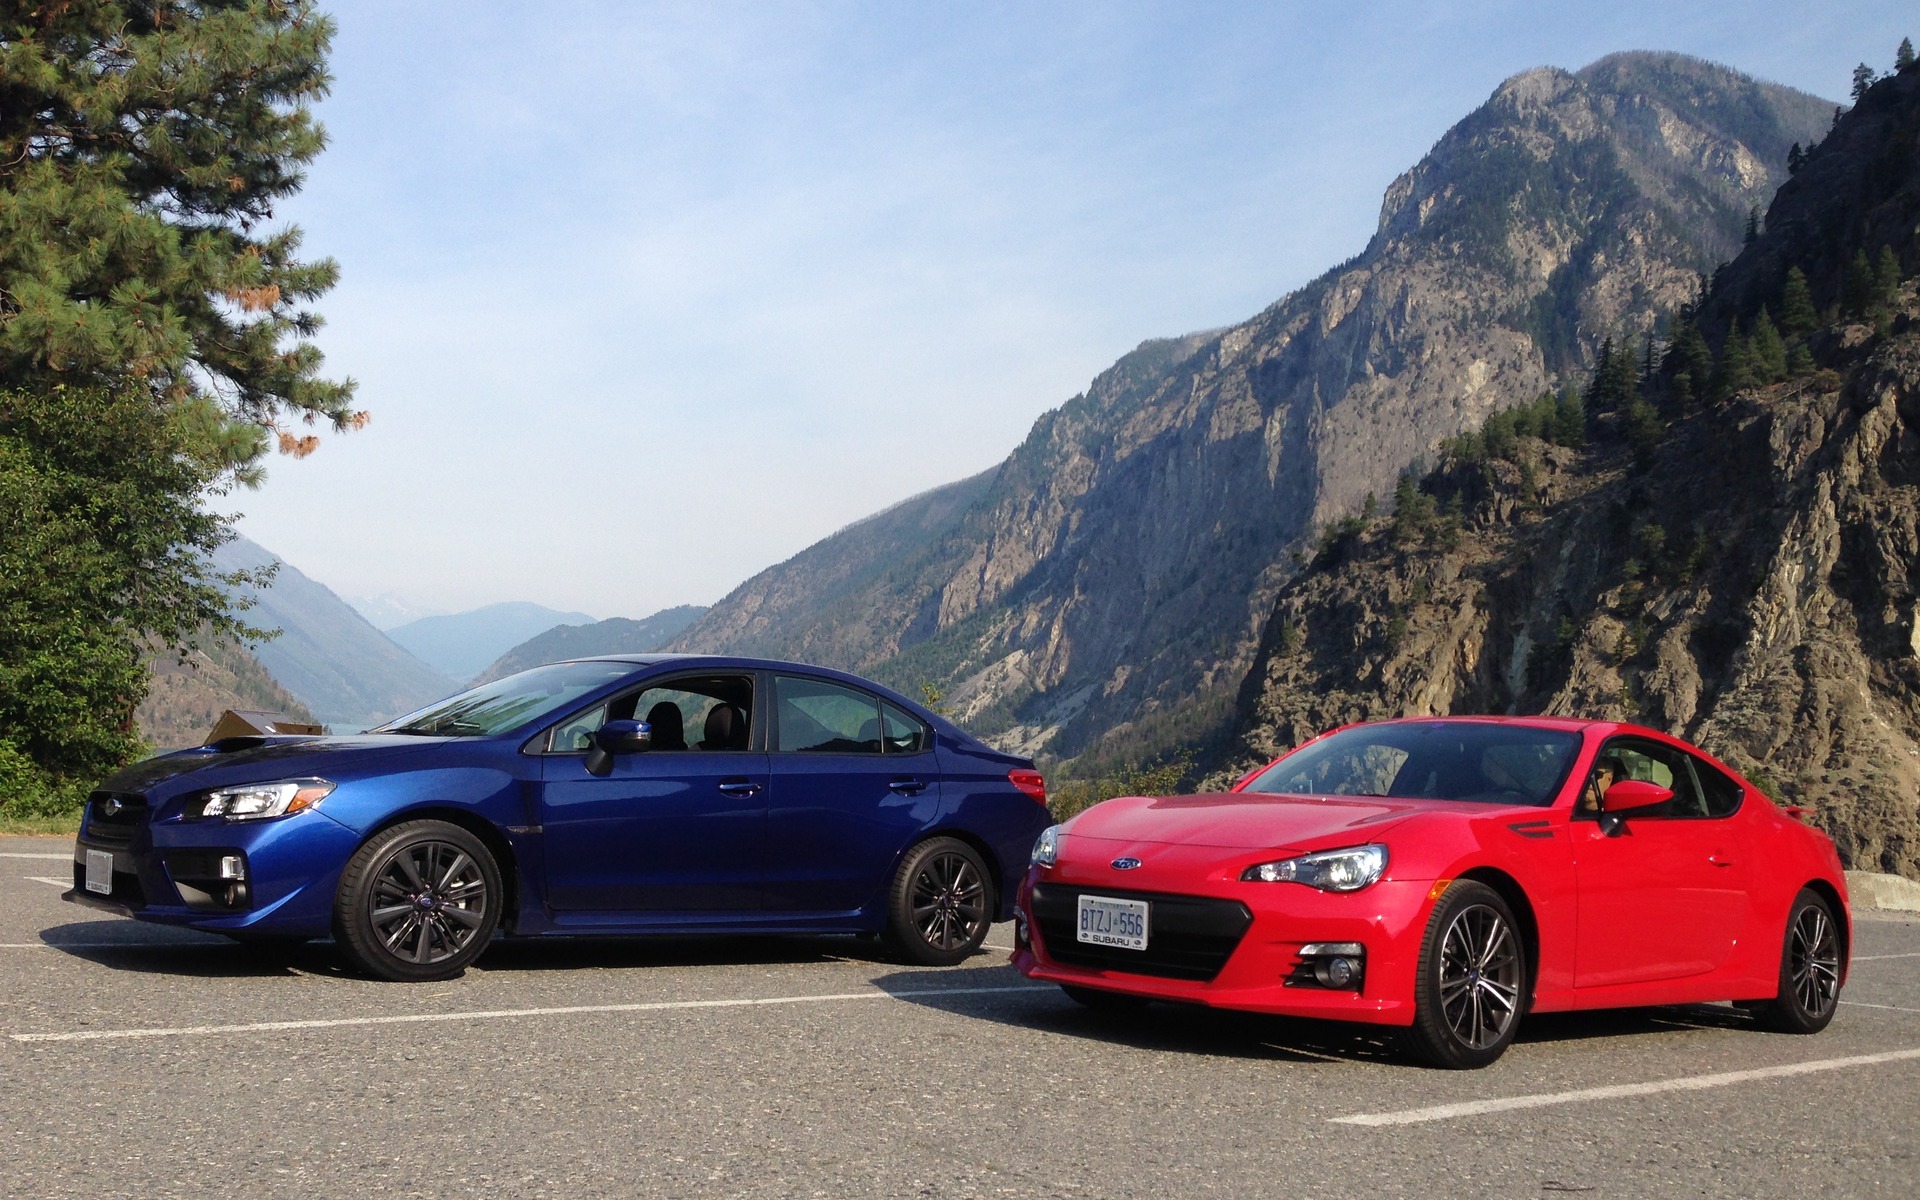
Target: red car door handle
column 1719, row 860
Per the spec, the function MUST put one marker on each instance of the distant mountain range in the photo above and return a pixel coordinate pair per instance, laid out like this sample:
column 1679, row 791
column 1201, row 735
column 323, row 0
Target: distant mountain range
column 328, row 655
column 388, row 611
column 1101, row 593
column 188, row 695
column 462, row 644
column 616, row 636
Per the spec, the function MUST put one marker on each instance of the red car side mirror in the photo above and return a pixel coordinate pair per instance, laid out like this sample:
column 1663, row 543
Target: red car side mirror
column 1631, row 794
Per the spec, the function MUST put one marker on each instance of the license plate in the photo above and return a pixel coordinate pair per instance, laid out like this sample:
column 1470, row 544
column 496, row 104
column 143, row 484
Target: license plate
column 100, row 872
column 1107, row 921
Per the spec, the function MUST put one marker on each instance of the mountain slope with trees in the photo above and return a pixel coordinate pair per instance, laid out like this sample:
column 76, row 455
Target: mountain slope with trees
column 616, row 635
column 1727, row 552
column 1104, row 592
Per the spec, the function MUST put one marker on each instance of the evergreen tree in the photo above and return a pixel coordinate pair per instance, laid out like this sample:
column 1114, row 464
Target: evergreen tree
column 1799, row 361
column 1863, row 78
column 1769, row 350
column 1796, row 158
column 1886, row 281
column 143, row 148
column 1798, row 317
column 1753, row 225
column 1734, row 372
column 1856, row 292
column 1903, row 57
column 1569, row 419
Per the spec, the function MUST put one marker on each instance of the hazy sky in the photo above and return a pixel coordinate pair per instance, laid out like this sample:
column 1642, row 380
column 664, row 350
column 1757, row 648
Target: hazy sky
column 644, row 298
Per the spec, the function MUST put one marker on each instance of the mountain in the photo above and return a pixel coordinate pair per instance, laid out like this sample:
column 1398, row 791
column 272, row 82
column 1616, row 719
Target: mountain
column 342, row 668
column 618, row 635
column 388, row 611
column 188, row 695
column 1732, row 558
column 1102, row 591
column 462, row 644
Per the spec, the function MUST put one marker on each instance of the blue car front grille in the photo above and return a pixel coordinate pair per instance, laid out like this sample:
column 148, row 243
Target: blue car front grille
column 115, row 816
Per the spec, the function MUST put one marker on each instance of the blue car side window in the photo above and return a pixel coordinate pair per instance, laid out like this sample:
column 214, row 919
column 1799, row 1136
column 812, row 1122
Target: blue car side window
column 824, row 718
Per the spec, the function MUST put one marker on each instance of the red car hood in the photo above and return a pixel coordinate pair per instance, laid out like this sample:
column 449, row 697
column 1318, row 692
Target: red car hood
column 1244, row 821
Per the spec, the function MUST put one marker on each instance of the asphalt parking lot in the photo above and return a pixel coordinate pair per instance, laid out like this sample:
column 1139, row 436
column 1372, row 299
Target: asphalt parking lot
column 137, row 1061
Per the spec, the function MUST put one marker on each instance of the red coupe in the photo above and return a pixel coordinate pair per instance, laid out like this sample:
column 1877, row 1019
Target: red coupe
column 1448, row 876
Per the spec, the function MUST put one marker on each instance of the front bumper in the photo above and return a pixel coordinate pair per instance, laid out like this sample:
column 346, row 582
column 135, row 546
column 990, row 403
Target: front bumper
column 1262, row 971
column 167, row 871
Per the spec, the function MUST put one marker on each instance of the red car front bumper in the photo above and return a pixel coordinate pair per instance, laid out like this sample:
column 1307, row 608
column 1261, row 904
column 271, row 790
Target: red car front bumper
column 1262, row 971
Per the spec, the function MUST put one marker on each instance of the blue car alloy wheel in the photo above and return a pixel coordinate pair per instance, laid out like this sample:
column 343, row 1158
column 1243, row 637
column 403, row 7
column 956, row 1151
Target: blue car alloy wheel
column 623, row 796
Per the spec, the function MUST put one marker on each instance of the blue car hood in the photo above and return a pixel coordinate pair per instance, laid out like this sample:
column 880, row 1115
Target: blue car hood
column 257, row 760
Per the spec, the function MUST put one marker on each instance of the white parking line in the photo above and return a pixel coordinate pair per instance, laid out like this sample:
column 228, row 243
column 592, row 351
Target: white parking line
column 57, row 857
column 1883, row 957
column 223, row 944
column 498, row 1014
column 1475, row 1108
column 63, row 883
column 1887, row 1007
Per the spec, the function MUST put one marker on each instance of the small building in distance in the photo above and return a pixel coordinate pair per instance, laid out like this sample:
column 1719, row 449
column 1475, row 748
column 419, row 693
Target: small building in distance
column 236, row 722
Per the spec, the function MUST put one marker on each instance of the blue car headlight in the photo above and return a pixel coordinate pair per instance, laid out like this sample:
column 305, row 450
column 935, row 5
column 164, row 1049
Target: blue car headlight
column 261, row 801
column 1346, row 870
column 1046, row 848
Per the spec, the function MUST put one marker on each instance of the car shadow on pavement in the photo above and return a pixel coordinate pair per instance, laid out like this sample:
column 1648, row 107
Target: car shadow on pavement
column 1183, row 1028
column 1193, row 1029
column 148, row 949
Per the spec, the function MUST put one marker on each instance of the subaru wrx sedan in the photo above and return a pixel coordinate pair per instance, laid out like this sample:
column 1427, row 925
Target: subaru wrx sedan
column 625, row 795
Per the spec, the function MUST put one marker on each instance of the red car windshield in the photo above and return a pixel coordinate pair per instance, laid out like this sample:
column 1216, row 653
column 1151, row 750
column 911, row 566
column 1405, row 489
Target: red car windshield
column 1474, row 762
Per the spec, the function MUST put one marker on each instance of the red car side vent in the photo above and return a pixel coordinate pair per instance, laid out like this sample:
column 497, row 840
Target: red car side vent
column 1030, row 782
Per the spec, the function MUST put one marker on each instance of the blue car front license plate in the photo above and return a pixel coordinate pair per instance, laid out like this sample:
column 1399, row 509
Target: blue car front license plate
column 1110, row 921
column 100, row 872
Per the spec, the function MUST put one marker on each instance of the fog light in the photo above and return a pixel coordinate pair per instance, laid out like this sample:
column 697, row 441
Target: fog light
column 1334, row 972
column 232, row 866
column 236, row 895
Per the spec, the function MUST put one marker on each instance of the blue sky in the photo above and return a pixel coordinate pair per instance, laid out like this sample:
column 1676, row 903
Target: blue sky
column 644, row 298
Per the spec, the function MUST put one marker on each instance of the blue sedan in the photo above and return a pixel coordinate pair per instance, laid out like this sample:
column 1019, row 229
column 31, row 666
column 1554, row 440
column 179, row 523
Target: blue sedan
column 623, row 795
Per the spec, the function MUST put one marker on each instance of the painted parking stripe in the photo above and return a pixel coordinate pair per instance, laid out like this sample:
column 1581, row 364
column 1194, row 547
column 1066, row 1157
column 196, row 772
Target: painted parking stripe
column 1885, row 1007
column 1882, row 957
column 1475, row 1108
column 500, row 1014
column 63, row 883
column 53, row 857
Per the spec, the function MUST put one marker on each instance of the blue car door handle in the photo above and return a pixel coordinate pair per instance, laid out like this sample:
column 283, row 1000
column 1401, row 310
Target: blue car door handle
column 739, row 787
column 907, row 787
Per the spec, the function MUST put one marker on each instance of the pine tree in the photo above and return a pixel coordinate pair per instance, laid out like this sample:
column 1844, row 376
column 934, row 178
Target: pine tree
column 1569, row 419
column 1734, row 372
column 1856, row 292
column 169, row 133
column 1753, row 225
column 1863, row 78
column 1903, row 57
column 1798, row 318
column 1769, row 350
column 1886, row 281
column 1796, row 158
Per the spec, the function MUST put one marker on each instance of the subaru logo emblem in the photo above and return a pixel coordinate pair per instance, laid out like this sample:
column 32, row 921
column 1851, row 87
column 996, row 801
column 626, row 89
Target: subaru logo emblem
column 1125, row 864
column 111, row 806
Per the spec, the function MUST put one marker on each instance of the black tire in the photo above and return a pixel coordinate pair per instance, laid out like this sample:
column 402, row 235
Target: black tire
column 1471, row 990
column 941, row 904
column 1106, row 1002
column 1809, row 969
column 418, row 902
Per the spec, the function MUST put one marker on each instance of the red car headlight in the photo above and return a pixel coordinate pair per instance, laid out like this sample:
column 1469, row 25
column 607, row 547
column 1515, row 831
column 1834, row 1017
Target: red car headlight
column 1346, row 870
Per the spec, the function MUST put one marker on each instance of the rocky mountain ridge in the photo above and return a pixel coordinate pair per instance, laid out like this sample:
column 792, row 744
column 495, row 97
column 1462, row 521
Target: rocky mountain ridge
column 1104, row 589
column 1736, row 568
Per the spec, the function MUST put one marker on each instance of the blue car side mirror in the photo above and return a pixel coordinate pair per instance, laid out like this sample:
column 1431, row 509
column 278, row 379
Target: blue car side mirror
column 617, row 737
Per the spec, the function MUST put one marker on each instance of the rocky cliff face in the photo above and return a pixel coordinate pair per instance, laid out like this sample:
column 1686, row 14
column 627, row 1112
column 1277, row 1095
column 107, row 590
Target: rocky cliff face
column 1110, row 580
column 1747, row 581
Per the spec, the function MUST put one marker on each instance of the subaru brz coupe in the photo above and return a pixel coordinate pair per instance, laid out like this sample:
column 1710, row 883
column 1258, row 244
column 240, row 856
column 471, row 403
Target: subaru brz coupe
column 631, row 795
column 1448, row 876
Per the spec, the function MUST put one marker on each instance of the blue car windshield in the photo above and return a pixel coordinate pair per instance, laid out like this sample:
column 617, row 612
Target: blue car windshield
column 507, row 703
column 1470, row 761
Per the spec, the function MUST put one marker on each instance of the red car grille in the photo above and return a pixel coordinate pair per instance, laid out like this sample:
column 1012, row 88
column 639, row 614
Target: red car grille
column 1188, row 937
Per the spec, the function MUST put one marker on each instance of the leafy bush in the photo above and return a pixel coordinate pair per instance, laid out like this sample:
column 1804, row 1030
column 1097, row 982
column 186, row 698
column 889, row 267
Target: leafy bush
column 1163, row 778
